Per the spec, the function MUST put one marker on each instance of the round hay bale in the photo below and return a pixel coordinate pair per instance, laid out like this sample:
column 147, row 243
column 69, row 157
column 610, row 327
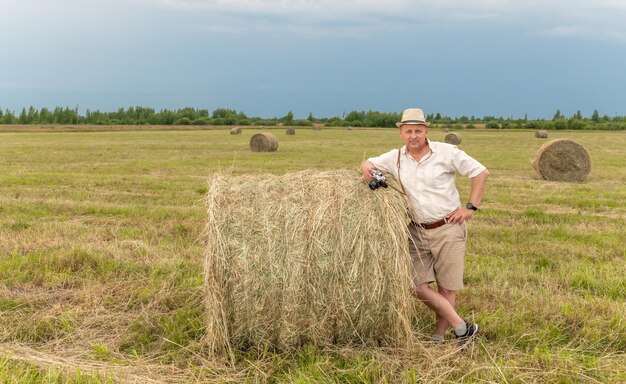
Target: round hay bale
column 562, row 160
column 317, row 127
column 290, row 131
column 541, row 134
column 306, row 258
column 453, row 138
column 263, row 142
column 235, row 131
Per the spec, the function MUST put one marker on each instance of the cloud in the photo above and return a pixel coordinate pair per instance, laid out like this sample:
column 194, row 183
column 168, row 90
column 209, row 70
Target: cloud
column 601, row 19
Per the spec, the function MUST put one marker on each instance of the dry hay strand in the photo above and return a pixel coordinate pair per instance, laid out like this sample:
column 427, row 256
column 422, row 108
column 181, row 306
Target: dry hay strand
column 453, row 138
column 73, row 362
column 562, row 160
column 290, row 131
column 541, row 134
column 235, row 131
column 308, row 257
column 263, row 142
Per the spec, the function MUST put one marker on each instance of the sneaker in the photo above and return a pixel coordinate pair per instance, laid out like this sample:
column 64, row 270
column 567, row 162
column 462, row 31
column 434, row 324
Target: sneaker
column 437, row 339
column 470, row 334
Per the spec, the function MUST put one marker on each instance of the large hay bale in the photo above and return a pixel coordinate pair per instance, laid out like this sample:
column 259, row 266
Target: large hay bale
column 235, row 131
column 308, row 257
column 263, row 142
column 290, row 131
column 562, row 160
column 541, row 134
column 453, row 138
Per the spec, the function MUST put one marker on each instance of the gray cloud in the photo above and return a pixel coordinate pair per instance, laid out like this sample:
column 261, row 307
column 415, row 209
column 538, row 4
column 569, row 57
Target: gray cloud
column 601, row 19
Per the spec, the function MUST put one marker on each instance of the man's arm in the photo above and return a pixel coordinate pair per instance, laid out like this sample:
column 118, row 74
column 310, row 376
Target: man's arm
column 477, row 189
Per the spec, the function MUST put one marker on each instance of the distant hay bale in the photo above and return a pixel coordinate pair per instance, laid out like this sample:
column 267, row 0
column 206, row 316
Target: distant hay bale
column 541, row 134
column 263, row 142
column 235, row 131
column 453, row 138
column 307, row 257
column 290, row 131
column 317, row 127
column 562, row 160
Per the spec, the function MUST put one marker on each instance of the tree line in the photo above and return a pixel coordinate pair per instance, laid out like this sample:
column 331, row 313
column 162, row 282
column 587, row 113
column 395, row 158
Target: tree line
column 224, row 116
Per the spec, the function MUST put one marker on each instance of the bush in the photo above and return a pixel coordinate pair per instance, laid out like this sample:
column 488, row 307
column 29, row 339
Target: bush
column 201, row 121
column 183, row 121
column 303, row 123
column 533, row 125
column 492, row 125
column 576, row 124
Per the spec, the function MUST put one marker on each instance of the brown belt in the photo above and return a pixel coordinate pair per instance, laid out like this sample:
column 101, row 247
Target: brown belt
column 434, row 224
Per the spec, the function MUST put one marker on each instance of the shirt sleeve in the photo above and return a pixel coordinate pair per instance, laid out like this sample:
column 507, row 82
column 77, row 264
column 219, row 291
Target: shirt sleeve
column 387, row 162
column 466, row 165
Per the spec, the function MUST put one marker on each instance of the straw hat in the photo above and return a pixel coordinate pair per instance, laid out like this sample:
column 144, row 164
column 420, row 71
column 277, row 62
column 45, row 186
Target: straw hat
column 413, row 116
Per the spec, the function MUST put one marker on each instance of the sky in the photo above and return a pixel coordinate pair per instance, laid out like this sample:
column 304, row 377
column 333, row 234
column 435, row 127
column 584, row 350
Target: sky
column 509, row 58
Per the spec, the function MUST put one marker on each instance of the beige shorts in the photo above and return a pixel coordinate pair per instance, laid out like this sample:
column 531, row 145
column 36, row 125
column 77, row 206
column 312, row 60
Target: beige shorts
column 438, row 254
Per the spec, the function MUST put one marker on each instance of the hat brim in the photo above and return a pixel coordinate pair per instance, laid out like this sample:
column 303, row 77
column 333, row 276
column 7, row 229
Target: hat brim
column 412, row 122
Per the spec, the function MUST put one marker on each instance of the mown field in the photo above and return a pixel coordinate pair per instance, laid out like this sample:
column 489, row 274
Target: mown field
column 101, row 256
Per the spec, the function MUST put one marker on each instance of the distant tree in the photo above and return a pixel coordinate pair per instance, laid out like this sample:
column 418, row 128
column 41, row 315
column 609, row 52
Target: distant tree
column 44, row 116
column 223, row 112
column 578, row 115
column 23, row 117
column 310, row 118
column 557, row 115
column 595, row 117
column 8, row 117
column 288, row 118
column 355, row 116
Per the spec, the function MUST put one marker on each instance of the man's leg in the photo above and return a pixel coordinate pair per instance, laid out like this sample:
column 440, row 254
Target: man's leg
column 443, row 324
column 439, row 304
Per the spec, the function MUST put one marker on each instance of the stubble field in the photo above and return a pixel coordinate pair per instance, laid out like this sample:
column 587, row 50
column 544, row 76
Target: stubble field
column 101, row 255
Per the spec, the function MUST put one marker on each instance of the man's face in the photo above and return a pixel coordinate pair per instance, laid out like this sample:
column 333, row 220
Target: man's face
column 414, row 136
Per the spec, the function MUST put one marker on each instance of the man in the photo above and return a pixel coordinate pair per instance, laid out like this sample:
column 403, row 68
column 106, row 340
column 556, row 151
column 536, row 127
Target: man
column 426, row 171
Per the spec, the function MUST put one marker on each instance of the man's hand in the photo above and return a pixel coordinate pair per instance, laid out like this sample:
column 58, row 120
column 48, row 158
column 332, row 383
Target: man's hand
column 366, row 169
column 460, row 215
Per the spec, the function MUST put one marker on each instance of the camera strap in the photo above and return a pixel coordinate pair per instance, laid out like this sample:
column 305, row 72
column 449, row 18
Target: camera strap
column 408, row 202
column 398, row 166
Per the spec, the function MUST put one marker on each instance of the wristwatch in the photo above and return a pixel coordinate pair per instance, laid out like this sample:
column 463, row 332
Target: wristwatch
column 471, row 206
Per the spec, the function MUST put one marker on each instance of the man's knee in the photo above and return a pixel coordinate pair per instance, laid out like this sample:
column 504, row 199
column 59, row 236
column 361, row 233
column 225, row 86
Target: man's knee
column 420, row 290
column 446, row 292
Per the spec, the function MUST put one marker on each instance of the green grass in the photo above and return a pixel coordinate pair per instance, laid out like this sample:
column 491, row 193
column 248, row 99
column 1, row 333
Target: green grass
column 101, row 261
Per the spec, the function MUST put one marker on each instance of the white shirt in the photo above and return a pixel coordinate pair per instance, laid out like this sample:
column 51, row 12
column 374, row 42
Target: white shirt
column 430, row 183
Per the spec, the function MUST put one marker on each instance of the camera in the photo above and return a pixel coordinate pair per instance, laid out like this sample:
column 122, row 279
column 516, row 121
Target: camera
column 378, row 180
